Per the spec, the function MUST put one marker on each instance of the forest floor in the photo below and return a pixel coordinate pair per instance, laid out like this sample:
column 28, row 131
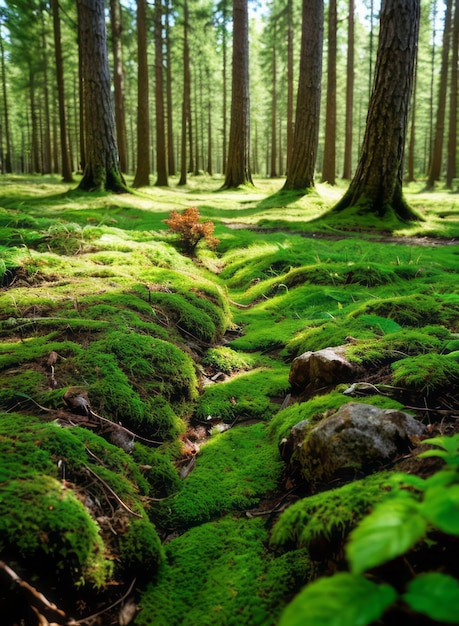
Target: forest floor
column 165, row 491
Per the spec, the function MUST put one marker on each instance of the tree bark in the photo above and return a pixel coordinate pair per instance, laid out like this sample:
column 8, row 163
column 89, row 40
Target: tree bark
column 170, row 127
column 437, row 152
column 186, row 102
column 300, row 176
column 238, row 163
column 347, row 166
column 102, row 169
column 161, row 161
column 7, row 163
column 290, row 125
column 273, row 172
column 377, row 183
column 46, row 125
column 452, row 130
column 329, row 162
column 118, row 83
column 65, row 158
column 142, row 176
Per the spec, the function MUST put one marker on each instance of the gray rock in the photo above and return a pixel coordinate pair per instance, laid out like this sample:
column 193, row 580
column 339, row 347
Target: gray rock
column 312, row 372
column 359, row 439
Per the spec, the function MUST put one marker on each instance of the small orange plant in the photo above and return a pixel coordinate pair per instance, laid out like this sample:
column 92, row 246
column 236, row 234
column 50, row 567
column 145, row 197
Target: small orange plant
column 190, row 229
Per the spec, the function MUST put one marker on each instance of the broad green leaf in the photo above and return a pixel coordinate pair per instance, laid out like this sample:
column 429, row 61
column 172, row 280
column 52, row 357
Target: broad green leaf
column 389, row 531
column 435, row 595
column 341, row 600
column 441, row 508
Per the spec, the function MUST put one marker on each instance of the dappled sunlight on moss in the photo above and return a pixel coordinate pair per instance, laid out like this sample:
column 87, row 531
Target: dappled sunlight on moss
column 97, row 284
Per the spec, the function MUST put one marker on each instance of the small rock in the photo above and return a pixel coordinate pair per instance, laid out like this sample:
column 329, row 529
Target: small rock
column 313, row 372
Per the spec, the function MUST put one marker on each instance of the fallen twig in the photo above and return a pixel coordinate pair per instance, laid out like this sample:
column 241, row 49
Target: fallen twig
column 41, row 606
column 114, row 494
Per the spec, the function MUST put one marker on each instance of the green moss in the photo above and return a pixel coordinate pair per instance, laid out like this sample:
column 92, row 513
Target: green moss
column 416, row 309
column 226, row 360
column 247, row 395
column 394, row 346
column 240, row 582
column 230, row 484
column 328, row 517
column 428, row 373
column 140, row 549
column 157, row 468
column 51, row 525
column 127, row 371
column 68, row 238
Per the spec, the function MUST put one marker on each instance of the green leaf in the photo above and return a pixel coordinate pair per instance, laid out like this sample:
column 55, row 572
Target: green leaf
column 435, row 595
column 450, row 452
column 341, row 600
column 441, row 508
column 389, row 531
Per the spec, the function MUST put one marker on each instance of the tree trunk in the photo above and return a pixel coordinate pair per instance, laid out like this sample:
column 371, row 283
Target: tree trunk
column 7, row 163
column 290, row 126
column 377, row 183
column 238, row 164
column 186, row 104
column 118, row 83
column 161, row 161
column 300, row 176
column 412, row 141
column 65, row 159
column 102, row 169
column 81, row 115
column 142, row 176
column 273, row 172
column 209, row 127
column 329, row 162
column 170, row 127
column 437, row 153
column 347, row 166
column 452, row 132
column 46, row 126
column 35, row 150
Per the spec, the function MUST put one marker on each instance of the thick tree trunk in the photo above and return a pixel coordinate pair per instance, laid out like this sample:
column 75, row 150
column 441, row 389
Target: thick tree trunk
column 300, row 175
column 142, row 176
column 102, row 169
column 377, row 183
column 238, row 164
column 118, row 83
column 329, row 162
column 65, row 159
column 161, row 161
